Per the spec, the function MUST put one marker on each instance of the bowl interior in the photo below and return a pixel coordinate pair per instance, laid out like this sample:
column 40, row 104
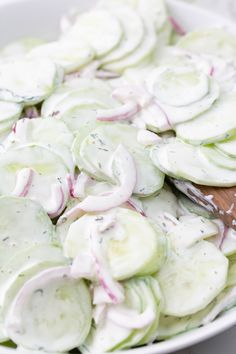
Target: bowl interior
column 40, row 18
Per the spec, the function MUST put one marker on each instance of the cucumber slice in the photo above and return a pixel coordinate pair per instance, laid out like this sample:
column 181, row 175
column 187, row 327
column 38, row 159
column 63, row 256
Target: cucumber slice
column 48, row 172
column 6, row 127
column 192, row 278
column 209, row 127
column 218, row 158
column 106, row 335
column 141, row 55
column 23, row 223
column 102, row 143
column 228, row 146
column 20, row 47
column 154, row 11
column 50, row 105
column 149, row 291
column 170, row 326
column 188, row 206
column 49, row 133
column 21, row 268
column 178, row 86
column 155, row 207
column 9, row 111
column 225, row 301
column 228, row 246
column 79, row 107
column 133, row 32
column 190, row 230
column 53, row 312
column 99, row 28
column 213, row 41
column 134, row 247
column 21, row 83
column 71, row 56
column 182, row 93
column 231, row 281
column 181, row 160
column 110, row 336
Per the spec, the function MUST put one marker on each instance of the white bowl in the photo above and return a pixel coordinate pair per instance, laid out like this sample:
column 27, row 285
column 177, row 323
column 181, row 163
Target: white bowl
column 19, row 18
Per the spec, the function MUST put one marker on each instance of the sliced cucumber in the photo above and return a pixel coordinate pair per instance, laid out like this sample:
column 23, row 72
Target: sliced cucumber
column 141, row 55
column 149, row 292
column 209, row 127
column 9, row 111
column 20, row 47
column 182, row 92
column 154, row 11
column 133, row 247
column 190, row 230
column 102, row 143
column 51, row 106
column 192, row 278
column 48, row 172
column 181, row 160
column 22, row 267
column 23, row 223
column 170, row 326
column 218, row 158
column 225, row 301
column 228, row 146
column 50, row 133
column 51, row 312
column 172, row 85
column 133, row 31
column 71, row 56
column 231, row 281
column 20, row 82
column 6, row 127
column 213, row 41
column 110, row 335
column 99, row 28
column 157, row 206
column 228, row 246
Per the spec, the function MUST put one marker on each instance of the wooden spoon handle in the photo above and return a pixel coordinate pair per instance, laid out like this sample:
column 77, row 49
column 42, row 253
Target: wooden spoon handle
column 220, row 201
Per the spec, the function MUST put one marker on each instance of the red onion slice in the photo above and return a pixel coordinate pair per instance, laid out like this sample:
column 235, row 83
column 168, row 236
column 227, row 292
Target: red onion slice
column 131, row 203
column 57, row 201
column 39, row 281
column 113, row 289
column 120, row 195
column 128, row 318
column 24, row 181
column 80, row 184
column 176, row 26
column 124, row 112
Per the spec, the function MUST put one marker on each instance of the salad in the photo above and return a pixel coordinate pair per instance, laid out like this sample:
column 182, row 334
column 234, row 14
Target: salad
column 98, row 251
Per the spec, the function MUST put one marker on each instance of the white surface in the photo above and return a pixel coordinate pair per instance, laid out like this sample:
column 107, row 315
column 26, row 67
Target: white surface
column 40, row 18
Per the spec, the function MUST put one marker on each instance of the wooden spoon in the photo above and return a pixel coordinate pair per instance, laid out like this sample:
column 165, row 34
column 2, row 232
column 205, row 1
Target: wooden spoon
column 218, row 200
